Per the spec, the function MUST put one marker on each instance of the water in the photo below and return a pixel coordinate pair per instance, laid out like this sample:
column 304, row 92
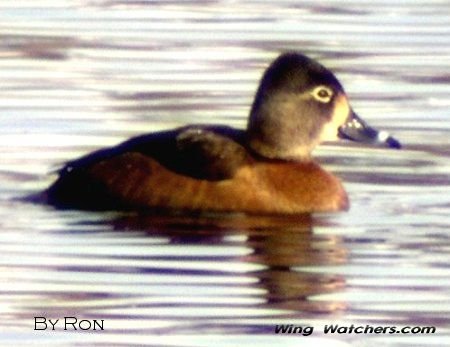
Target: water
column 79, row 75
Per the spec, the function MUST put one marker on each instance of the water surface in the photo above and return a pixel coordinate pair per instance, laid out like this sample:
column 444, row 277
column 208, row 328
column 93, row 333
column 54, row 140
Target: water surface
column 79, row 75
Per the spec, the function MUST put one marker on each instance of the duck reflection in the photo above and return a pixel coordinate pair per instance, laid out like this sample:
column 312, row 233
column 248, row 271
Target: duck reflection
column 285, row 246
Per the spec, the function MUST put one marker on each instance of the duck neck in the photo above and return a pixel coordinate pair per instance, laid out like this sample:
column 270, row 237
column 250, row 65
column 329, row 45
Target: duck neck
column 274, row 139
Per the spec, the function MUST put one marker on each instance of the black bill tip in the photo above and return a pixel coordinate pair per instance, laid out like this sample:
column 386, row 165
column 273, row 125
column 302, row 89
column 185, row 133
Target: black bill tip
column 393, row 143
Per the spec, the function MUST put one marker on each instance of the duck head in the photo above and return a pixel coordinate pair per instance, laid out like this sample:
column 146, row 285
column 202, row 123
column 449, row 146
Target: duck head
column 300, row 103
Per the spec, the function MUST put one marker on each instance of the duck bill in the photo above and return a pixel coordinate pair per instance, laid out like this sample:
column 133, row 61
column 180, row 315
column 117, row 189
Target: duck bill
column 355, row 129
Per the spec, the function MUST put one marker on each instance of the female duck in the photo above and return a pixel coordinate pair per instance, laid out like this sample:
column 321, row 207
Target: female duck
column 266, row 168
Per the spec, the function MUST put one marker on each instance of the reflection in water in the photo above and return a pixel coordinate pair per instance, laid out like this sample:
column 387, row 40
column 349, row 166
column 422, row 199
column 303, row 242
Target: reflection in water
column 280, row 244
column 183, row 274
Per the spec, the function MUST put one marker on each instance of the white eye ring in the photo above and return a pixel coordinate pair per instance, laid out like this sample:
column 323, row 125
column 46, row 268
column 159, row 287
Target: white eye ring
column 322, row 94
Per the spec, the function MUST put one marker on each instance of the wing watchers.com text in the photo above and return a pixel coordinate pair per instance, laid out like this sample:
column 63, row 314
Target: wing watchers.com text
column 353, row 329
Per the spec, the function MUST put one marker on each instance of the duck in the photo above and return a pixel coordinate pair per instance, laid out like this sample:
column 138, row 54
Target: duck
column 266, row 168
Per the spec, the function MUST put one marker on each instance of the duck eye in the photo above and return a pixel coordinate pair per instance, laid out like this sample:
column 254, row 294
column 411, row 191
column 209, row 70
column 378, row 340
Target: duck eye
column 322, row 94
